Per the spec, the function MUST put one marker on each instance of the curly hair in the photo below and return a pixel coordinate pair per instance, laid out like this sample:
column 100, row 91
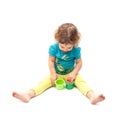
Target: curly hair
column 67, row 33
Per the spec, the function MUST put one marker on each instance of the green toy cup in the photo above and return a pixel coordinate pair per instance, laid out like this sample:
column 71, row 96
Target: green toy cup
column 70, row 85
column 60, row 84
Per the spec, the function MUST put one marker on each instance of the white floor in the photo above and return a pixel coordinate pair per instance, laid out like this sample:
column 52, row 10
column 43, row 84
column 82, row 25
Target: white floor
column 59, row 107
column 26, row 31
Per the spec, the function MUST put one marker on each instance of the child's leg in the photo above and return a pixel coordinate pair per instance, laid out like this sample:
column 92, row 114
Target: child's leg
column 87, row 91
column 36, row 90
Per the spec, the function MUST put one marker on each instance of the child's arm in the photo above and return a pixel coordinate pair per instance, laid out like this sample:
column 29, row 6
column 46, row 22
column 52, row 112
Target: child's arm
column 52, row 68
column 77, row 68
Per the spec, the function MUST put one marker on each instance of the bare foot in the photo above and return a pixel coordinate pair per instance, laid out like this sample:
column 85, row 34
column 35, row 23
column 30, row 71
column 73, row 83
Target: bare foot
column 97, row 99
column 24, row 97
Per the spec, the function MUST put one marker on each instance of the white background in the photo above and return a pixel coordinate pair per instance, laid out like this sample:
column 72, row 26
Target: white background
column 26, row 32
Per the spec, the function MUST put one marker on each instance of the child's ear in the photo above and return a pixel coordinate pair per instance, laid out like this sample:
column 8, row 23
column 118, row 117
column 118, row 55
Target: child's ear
column 76, row 45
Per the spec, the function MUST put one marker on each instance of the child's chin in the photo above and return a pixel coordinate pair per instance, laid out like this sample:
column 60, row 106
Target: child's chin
column 64, row 51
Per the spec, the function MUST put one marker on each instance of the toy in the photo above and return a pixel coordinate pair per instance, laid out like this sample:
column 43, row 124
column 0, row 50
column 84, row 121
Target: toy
column 60, row 84
column 70, row 85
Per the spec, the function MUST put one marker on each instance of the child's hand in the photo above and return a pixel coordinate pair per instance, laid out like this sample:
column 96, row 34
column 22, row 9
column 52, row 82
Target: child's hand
column 71, row 77
column 53, row 78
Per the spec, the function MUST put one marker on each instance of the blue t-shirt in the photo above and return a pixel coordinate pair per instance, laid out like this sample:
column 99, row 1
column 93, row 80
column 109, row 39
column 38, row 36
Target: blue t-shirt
column 65, row 62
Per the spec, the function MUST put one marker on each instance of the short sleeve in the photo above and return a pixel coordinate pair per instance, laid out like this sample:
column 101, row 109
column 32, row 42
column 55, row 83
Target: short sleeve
column 77, row 53
column 52, row 50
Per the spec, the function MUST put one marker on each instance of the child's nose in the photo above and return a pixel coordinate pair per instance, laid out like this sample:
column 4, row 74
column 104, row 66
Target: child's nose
column 66, row 50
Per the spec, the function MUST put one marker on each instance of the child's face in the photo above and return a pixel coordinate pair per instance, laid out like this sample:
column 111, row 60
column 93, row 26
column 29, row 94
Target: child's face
column 65, row 47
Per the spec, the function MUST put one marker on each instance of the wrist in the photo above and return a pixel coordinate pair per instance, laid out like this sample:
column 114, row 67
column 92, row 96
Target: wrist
column 53, row 74
column 74, row 73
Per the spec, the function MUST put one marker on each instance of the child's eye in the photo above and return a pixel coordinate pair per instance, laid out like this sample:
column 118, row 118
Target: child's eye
column 69, row 48
column 62, row 47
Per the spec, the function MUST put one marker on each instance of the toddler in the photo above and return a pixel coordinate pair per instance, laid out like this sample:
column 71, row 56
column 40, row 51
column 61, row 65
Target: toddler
column 64, row 62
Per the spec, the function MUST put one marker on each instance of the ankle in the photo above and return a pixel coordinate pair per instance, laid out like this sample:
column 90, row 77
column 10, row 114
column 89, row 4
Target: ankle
column 90, row 95
column 31, row 93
